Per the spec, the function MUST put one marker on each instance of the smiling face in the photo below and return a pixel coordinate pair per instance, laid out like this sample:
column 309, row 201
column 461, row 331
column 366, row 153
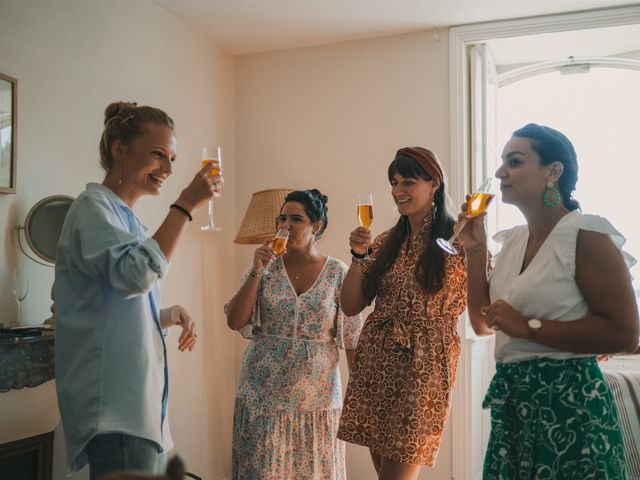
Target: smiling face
column 145, row 163
column 301, row 230
column 523, row 179
column 413, row 196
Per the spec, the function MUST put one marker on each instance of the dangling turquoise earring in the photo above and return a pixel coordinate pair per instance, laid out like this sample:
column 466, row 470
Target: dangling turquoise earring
column 551, row 189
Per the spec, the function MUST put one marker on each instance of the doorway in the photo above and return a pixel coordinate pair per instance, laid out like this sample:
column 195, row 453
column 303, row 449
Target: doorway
column 505, row 67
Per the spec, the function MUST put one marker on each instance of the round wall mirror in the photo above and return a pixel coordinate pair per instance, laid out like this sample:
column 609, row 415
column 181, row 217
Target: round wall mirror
column 43, row 225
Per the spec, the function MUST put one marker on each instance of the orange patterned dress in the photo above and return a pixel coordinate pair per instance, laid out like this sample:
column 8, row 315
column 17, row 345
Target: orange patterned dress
column 399, row 392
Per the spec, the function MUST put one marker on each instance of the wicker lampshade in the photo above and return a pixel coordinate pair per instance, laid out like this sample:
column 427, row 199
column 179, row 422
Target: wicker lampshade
column 259, row 222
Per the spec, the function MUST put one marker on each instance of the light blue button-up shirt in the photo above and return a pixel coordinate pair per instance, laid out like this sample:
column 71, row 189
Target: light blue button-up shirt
column 111, row 366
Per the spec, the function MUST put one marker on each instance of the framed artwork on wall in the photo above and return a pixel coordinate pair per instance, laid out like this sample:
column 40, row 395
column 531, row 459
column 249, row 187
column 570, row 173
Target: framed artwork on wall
column 8, row 133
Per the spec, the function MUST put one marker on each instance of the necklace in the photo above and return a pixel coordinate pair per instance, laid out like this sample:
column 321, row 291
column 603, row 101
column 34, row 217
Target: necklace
column 297, row 277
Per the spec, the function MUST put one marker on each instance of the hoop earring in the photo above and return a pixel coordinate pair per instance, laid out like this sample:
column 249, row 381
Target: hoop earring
column 551, row 189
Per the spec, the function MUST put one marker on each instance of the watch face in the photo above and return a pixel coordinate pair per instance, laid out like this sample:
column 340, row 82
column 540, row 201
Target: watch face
column 534, row 324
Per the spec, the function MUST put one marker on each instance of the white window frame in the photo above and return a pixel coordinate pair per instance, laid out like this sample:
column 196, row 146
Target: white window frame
column 467, row 428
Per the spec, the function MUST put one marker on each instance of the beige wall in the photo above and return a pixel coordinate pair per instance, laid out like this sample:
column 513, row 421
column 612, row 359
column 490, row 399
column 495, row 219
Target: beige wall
column 332, row 117
column 71, row 58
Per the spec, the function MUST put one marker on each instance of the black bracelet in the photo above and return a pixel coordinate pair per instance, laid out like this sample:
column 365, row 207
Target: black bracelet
column 182, row 209
column 361, row 256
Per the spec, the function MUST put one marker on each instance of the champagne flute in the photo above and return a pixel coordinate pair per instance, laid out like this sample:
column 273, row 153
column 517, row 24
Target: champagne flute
column 207, row 158
column 20, row 289
column 364, row 205
column 477, row 204
column 279, row 244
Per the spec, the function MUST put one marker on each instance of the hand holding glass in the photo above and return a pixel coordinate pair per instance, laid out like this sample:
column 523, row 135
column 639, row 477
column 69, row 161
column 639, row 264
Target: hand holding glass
column 279, row 245
column 364, row 205
column 477, row 204
column 207, row 158
column 365, row 209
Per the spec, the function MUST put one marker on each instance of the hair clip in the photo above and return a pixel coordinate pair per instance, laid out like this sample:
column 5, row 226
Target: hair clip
column 128, row 117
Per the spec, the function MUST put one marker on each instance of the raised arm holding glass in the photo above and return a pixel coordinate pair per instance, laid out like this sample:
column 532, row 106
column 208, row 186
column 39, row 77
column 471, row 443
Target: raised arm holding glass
column 559, row 294
column 289, row 397
column 111, row 360
column 405, row 364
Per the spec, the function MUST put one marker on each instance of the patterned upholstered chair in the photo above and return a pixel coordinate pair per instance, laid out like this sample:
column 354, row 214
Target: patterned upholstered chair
column 625, row 385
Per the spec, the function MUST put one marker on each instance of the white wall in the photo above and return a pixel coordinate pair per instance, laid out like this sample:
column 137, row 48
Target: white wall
column 72, row 58
column 332, row 117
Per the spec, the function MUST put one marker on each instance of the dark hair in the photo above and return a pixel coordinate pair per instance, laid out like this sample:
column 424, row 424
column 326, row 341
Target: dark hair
column 314, row 204
column 430, row 269
column 553, row 146
column 125, row 121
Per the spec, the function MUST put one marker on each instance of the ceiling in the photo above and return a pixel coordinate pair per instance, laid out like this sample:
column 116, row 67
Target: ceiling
column 247, row 26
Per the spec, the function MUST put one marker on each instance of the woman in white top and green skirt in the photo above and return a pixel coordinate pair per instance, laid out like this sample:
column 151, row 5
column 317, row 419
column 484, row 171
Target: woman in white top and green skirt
column 559, row 294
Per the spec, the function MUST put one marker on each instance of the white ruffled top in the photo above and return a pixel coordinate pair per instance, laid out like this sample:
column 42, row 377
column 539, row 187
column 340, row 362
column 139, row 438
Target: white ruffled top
column 547, row 288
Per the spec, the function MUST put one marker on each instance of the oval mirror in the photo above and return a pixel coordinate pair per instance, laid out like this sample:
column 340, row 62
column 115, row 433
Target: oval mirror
column 43, row 225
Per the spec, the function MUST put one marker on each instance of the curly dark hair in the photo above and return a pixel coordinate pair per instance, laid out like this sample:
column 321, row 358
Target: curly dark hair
column 314, row 204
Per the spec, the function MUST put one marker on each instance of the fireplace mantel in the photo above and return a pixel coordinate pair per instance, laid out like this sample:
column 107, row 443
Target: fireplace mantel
column 26, row 361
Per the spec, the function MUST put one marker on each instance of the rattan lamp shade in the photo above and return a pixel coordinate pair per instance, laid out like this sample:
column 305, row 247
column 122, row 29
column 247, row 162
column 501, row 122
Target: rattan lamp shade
column 259, row 222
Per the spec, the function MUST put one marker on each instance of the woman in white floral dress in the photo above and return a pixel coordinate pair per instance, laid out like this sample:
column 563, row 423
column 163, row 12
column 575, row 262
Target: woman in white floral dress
column 289, row 396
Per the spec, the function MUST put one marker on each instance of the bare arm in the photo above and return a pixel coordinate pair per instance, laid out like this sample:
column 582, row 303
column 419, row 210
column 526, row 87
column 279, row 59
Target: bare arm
column 352, row 297
column 474, row 238
column 240, row 307
column 603, row 279
column 201, row 189
column 478, row 290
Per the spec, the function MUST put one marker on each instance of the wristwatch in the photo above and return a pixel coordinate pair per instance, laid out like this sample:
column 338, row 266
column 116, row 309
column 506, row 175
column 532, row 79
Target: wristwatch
column 534, row 325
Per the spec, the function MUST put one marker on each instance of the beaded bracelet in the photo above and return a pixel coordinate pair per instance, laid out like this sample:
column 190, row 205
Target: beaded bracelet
column 255, row 274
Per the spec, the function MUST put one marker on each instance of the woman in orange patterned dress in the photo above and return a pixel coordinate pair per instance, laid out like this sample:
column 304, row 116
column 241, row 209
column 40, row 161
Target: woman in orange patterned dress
column 399, row 392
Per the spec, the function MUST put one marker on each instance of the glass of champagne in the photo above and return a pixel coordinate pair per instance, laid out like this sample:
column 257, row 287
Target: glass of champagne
column 477, row 204
column 364, row 205
column 20, row 289
column 208, row 157
column 279, row 244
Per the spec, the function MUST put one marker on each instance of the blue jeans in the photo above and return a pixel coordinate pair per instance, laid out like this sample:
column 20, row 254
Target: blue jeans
column 110, row 452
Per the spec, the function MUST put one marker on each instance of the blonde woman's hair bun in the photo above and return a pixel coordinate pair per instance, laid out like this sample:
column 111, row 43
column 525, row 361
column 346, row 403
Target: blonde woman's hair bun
column 119, row 110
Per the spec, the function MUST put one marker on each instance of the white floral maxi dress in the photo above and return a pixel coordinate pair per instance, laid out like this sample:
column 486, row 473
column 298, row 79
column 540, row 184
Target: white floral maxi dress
column 289, row 396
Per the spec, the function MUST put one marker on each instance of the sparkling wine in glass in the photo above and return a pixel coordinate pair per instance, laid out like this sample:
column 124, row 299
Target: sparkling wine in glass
column 208, row 156
column 365, row 209
column 477, row 204
column 279, row 244
column 20, row 289
column 364, row 206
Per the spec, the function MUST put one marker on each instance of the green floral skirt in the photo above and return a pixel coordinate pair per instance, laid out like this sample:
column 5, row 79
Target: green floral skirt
column 552, row 419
